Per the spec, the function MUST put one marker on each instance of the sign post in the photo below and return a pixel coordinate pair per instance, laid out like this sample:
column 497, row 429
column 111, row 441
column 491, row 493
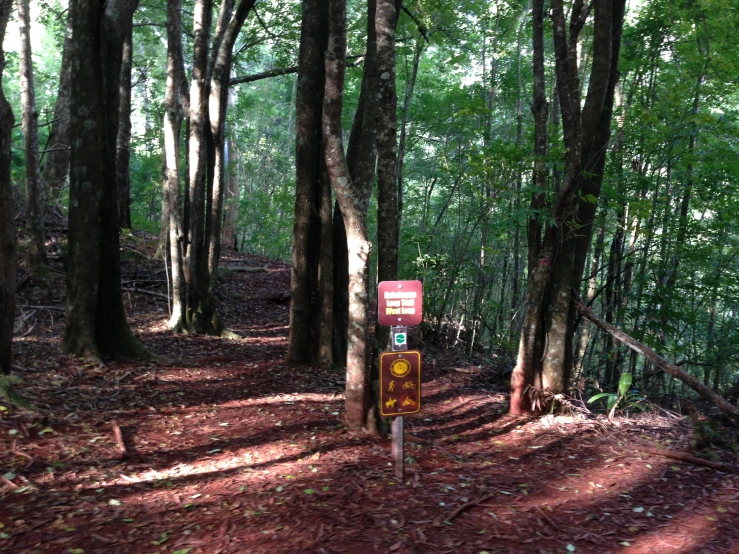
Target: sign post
column 399, row 304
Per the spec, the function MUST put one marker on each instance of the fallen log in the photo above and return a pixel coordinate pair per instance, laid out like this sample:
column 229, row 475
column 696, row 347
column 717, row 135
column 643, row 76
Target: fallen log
column 244, row 269
column 671, row 369
column 691, row 459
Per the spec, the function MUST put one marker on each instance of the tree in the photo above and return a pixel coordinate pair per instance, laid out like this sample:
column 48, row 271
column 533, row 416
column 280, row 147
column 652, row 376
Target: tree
column 123, row 140
column 308, row 251
column 7, row 225
column 198, row 237
column 557, row 260
column 35, row 251
column 56, row 167
column 96, row 322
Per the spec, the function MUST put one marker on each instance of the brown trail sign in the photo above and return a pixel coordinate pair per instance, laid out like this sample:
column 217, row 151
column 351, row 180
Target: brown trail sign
column 400, row 383
column 399, row 304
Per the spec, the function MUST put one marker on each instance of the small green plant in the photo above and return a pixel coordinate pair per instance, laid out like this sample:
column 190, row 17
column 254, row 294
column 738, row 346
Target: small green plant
column 623, row 399
column 6, row 391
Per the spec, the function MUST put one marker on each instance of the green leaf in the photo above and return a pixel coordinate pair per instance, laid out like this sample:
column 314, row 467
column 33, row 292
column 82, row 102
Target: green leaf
column 309, row 491
column 183, row 550
column 9, row 476
column 624, row 383
column 599, row 396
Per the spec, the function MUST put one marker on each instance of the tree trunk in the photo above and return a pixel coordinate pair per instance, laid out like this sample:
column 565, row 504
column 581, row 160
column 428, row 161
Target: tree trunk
column 96, row 322
column 35, row 236
column 353, row 199
column 305, row 289
column 7, row 225
column 326, row 274
column 197, row 159
column 388, row 220
column 557, row 262
column 123, row 142
column 56, row 168
column 172, row 128
column 231, row 205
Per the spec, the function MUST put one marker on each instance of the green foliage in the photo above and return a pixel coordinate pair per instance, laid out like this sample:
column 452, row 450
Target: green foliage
column 7, row 394
column 623, row 399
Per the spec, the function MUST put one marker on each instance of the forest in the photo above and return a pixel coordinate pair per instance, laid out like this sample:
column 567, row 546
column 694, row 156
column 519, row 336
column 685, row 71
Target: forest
column 200, row 198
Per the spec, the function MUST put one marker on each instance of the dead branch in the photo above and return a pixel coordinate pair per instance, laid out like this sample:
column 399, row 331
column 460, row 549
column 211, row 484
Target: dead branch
column 548, row 519
column 119, row 439
column 147, row 292
column 658, row 360
column 245, row 269
column 469, row 504
column 691, row 459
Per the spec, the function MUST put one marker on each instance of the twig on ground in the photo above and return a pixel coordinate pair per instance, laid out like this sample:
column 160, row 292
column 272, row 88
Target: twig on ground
column 119, row 439
column 469, row 504
column 548, row 519
column 147, row 292
column 691, row 459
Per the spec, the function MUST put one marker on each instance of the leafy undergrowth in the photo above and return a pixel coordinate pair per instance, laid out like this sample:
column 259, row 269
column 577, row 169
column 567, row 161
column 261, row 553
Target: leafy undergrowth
column 228, row 450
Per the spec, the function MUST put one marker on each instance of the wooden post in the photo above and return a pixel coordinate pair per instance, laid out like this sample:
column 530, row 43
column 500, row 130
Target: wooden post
column 398, row 446
column 398, row 427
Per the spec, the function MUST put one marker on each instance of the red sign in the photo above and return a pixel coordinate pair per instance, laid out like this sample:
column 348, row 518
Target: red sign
column 399, row 303
column 400, row 383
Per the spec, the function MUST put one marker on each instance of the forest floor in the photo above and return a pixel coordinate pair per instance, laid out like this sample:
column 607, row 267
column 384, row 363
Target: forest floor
column 229, row 450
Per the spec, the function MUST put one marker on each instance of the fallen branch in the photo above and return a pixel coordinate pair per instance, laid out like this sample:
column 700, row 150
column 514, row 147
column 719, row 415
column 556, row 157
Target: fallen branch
column 119, row 439
column 245, row 269
column 658, row 360
column 691, row 459
column 469, row 504
column 548, row 519
column 147, row 292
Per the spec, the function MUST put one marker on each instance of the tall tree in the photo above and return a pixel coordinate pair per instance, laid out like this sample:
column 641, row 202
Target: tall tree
column 557, row 254
column 96, row 320
column 7, row 225
column 35, row 251
column 388, row 218
column 352, row 195
column 305, row 287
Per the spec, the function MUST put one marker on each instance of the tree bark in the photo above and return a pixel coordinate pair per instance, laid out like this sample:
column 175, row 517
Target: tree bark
column 388, row 220
column 96, row 322
column 202, row 19
column 35, row 255
column 7, row 225
column 353, row 199
column 307, row 250
column 123, row 141
column 557, row 262
column 659, row 361
column 172, row 128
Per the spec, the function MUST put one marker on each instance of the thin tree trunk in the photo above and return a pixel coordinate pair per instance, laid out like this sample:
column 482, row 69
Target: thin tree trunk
column 218, row 105
column 123, row 142
column 305, row 289
column 35, row 236
column 326, row 274
column 197, row 159
column 231, row 207
column 56, row 168
column 388, row 230
column 353, row 200
column 409, row 86
column 7, row 225
column 172, row 128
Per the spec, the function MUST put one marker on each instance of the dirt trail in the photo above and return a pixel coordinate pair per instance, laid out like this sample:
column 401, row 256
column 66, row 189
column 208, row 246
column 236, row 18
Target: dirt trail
column 227, row 450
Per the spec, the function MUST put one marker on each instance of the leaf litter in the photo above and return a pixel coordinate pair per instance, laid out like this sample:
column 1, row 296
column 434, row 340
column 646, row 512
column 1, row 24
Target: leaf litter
column 229, row 450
